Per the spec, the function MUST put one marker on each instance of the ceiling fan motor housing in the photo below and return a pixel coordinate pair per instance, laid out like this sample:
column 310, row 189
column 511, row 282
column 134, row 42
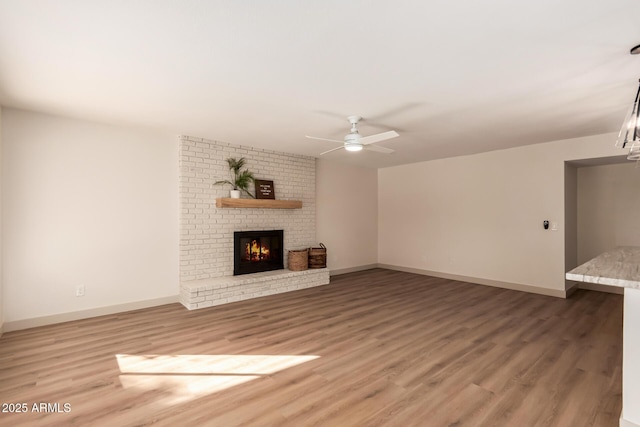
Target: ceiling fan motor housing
column 353, row 141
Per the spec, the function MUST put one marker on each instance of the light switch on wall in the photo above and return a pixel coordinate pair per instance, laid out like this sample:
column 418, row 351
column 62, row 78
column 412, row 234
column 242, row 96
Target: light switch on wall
column 554, row 226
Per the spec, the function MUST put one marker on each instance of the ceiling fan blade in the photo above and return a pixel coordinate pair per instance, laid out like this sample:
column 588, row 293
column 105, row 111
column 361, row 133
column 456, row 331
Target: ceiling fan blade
column 331, row 114
column 324, row 139
column 379, row 149
column 378, row 137
column 334, row 149
column 371, row 120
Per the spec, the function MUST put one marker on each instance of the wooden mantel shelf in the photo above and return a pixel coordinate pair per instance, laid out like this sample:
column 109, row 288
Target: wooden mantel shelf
column 225, row 202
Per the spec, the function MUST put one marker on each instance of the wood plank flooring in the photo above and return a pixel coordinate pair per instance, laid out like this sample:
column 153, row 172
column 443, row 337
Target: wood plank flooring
column 374, row 348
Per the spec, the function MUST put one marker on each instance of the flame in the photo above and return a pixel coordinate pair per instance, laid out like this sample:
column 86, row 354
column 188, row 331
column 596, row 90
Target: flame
column 256, row 252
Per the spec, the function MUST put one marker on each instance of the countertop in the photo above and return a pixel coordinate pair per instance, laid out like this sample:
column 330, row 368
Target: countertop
column 618, row 267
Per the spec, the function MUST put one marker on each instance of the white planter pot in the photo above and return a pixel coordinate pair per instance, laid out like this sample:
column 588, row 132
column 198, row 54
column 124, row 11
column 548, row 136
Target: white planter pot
column 235, row 194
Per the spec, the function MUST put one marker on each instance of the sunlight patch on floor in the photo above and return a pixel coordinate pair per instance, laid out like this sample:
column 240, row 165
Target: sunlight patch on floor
column 189, row 376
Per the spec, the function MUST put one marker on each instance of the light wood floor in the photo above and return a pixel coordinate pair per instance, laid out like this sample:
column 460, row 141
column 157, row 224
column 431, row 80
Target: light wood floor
column 375, row 348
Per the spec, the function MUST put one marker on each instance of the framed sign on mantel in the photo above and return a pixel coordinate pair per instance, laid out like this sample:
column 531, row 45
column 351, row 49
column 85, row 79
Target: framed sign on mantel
column 264, row 189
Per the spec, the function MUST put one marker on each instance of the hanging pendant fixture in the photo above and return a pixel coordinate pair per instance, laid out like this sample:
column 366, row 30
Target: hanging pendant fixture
column 629, row 135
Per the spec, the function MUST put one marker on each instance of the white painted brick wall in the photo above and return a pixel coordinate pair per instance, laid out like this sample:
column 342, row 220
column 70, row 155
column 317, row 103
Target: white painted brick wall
column 206, row 232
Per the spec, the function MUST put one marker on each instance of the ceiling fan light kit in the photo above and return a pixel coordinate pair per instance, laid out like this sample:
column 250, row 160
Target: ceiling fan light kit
column 353, row 146
column 353, row 141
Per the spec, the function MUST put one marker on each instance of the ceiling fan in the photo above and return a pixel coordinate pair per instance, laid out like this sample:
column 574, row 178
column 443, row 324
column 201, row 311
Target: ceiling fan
column 353, row 141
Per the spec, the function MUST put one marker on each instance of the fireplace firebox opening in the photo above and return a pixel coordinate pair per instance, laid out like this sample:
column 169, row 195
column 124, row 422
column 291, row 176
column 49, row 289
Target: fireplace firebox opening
column 256, row 251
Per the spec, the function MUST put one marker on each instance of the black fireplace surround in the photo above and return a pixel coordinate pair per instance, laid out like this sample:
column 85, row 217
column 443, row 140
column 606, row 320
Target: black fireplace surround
column 256, row 251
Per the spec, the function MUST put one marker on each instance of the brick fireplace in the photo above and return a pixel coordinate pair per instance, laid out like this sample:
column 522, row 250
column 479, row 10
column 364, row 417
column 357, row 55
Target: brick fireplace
column 207, row 232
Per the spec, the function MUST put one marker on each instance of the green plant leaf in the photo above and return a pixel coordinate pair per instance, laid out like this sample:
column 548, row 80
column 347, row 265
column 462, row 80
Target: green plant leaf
column 236, row 164
column 223, row 182
column 240, row 180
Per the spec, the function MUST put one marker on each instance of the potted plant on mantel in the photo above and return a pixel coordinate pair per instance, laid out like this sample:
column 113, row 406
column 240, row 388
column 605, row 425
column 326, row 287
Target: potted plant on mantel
column 240, row 180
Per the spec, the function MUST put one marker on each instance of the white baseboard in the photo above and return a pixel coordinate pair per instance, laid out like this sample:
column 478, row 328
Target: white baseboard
column 570, row 287
column 353, row 269
column 487, row 282
column 119, row 308
column 602, row 288
column 625, row 423
column 17, row 325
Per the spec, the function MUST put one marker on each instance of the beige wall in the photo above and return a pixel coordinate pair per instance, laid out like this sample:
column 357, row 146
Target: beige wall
column 608, row 207
column 86, row 204
column 346, row 214
column 570, row 217
column 480, row 216
column 96, row 205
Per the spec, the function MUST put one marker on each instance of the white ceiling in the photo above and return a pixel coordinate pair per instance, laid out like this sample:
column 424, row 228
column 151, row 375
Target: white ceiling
column 452, row 77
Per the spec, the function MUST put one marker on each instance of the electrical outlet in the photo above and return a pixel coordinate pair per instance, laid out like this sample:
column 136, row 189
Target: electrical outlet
column 80, row 290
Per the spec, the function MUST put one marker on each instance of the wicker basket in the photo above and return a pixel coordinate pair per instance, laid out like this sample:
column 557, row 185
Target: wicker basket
column 318, row 257
column 298, row 260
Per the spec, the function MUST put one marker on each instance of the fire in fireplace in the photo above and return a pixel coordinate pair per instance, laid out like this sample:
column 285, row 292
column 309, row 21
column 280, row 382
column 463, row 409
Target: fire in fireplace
column 256, row 251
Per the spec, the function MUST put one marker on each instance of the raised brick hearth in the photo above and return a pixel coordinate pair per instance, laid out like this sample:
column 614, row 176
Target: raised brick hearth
column 222, row 290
